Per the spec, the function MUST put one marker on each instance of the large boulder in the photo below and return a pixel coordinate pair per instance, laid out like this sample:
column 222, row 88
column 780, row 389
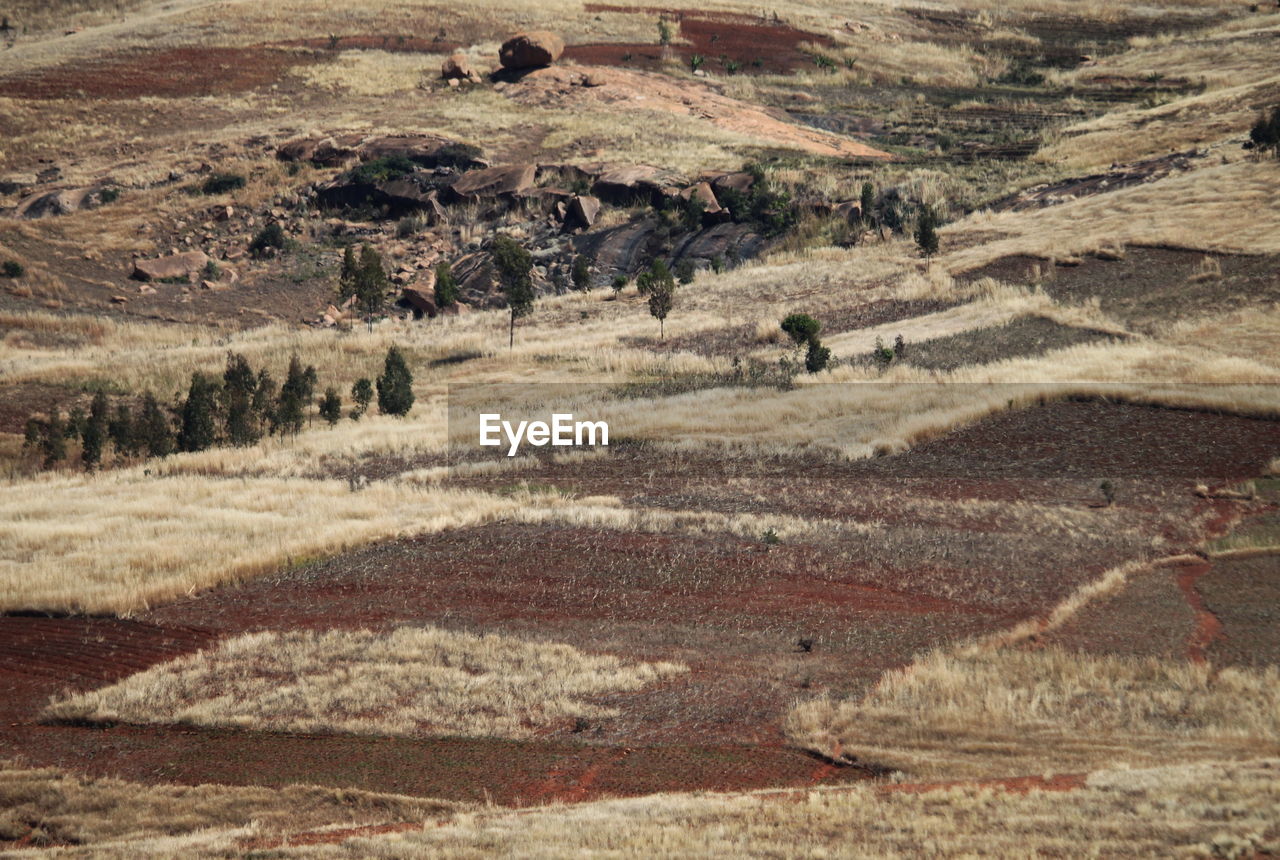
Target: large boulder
column 702, row 192
column 182, row 265
column 583, row 212
column 740, row 182
column 530, row 50
column 494, row 182
column 422, row 302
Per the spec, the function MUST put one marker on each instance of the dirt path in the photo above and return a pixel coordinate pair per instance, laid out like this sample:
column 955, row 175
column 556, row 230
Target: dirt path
column 1208, row 628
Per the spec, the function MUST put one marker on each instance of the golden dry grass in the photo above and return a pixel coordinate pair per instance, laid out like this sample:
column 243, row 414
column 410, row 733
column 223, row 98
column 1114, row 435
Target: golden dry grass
column 1190, row 122
column 407, row 682
column 122, row 541
column 50, row 806
column 1223, row 809
column 984, row 713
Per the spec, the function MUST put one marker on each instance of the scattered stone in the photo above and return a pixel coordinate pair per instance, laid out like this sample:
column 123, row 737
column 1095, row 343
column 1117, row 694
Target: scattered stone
column 458, row 68
column 119, row 300
column 531, row 50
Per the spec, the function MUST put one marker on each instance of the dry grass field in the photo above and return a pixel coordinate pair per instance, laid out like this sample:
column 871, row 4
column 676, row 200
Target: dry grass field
column 999, row 579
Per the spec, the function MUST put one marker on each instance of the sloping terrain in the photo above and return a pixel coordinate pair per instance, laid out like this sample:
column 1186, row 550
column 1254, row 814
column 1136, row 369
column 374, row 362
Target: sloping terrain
column 995, row 573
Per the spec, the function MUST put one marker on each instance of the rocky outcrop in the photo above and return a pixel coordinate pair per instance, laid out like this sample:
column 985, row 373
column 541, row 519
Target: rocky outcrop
column 62, row 201
column 531, row 50
column 494, row 182
column 621, row 250
column 726, row 241
column 182, row 265
column 636, row 184
column 11, row 183
column 321, row 151
column 429, row 151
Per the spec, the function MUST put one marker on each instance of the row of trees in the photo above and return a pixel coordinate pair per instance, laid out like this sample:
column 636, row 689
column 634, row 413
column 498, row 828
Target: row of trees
column 238, row 409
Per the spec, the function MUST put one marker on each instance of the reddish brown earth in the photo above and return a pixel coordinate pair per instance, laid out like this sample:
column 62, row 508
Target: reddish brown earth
column 732, row 609
column 719, row 37
column 1013, row 785
column 173, row 73
column 1208, row 628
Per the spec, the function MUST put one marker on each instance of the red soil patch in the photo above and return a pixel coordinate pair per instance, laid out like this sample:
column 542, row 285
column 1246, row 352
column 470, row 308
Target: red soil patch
column 173, row 73
column 1208, row 627
column 1013, row 784
column 757, row 45
column 465, row 769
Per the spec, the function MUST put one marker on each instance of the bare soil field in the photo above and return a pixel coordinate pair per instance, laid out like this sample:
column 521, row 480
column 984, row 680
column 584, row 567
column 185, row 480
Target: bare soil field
column 1149, row 286
column 755, row 44
column 206, row 72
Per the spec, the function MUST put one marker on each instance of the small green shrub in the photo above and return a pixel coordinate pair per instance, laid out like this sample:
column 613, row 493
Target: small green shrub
column 221, row 183
column 12, row 269
column 270, row 236
column 801, row 328
column 817, row 357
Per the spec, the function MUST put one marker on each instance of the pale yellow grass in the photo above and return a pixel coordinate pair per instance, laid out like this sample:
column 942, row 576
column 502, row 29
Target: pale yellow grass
column 108, row 814
column 1190, row 122
column 1222, row 208
column 1220, row 56
column 1224, row 809
column 123, row 541
column 373, row 73
column 985, row 713
column 409, row 681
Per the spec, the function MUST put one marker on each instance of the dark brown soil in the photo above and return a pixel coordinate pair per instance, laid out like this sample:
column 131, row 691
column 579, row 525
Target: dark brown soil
column 1151, row 287
column 1244, row 595
column 173, row 73
column 1024, row 337
column 740, row 339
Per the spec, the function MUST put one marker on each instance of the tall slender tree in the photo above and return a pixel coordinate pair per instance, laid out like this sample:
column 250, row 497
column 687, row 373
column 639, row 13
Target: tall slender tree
column 662, row 295
column 395, row 385
column 95, row 432
column 514, row 265
column 155, row 428
column 199, row 415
